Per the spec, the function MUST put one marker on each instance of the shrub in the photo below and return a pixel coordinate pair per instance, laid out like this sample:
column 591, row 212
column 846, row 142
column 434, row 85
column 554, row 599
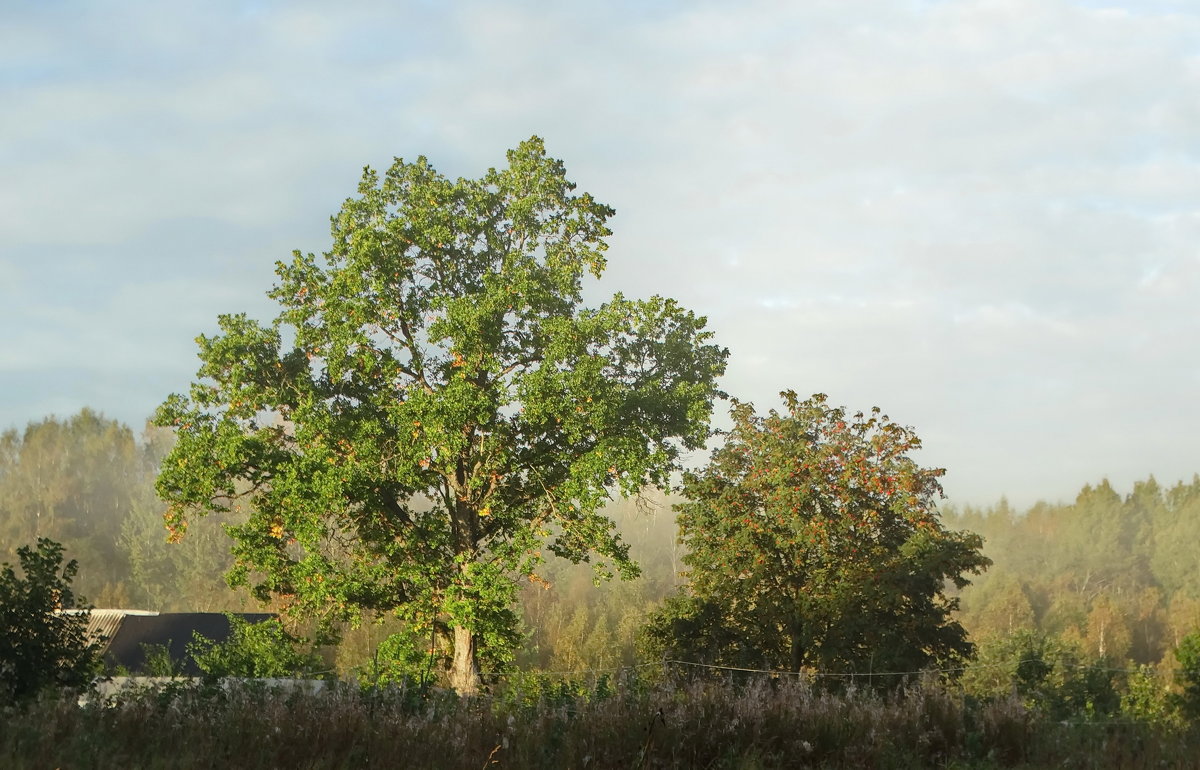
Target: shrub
column 159, row 661
column 1147, row 697
column 1188, row 656
column 254, row 650
column 41, row 647
column 1051, row 676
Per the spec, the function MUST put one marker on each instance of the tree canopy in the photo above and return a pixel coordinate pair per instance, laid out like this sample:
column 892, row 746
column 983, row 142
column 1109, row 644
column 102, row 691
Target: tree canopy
column 434, row 403
column 814, row 543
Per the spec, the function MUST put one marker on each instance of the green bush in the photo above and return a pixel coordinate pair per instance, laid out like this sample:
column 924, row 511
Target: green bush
column 1052, row 677
column 1147, row 697
column 40, row 647
column 254, row 650
column 403, row 657
column 1188, row 656
column 159, row 661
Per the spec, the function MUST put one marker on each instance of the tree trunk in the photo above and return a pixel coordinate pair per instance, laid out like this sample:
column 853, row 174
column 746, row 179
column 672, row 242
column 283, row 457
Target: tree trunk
column 464, row 668
column 797, row 652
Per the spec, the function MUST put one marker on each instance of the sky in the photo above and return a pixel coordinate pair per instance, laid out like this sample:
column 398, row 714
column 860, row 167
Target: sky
column 982, row 216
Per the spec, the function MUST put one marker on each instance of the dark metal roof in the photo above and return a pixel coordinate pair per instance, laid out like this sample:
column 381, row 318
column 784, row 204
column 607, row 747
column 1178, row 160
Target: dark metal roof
column 126, row 631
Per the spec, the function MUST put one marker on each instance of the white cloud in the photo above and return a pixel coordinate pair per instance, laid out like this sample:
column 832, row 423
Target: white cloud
column 981, row 215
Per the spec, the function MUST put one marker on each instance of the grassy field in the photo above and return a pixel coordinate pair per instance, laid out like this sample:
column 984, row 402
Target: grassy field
column 536, row 723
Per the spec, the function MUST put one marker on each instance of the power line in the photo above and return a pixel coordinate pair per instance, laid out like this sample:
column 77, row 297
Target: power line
column 815, row 674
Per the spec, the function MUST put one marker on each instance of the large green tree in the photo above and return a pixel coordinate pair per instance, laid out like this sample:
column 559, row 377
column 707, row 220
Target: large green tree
column 434, row 404
column 814, row 543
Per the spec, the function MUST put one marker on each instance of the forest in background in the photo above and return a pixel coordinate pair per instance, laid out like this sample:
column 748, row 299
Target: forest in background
column 1111, row 575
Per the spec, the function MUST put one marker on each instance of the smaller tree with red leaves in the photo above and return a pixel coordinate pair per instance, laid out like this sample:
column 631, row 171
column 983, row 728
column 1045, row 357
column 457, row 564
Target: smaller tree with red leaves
column 814, row 543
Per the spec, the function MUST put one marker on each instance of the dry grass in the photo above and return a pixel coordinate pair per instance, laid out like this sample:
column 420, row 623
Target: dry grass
column 528, row 724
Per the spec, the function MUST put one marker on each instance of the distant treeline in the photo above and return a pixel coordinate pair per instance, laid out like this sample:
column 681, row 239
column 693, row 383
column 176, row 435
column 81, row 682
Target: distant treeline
column 87, row 482
column 1115, row 577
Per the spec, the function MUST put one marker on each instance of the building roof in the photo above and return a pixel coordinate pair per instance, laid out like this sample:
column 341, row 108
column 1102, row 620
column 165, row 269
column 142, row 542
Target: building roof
column 124, row 634
column 102, row 625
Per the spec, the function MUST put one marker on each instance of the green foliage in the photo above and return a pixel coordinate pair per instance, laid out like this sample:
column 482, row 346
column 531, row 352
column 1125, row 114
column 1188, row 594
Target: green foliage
column 185, row 576
column 41, row 647
column 1188, row 656
column 158, row 661
column 698, row 630
column 1053, row 678
column 535, row 690
column 1113, row 573
column 813, row 543
column 254, row 650
column 434, row 402
column 1001, row 606
column 402, row 657
column 1147, row 697
column 1053, row 574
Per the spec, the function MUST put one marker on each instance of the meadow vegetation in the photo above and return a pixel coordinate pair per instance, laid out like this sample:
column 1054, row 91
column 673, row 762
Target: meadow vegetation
column 535, row 722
